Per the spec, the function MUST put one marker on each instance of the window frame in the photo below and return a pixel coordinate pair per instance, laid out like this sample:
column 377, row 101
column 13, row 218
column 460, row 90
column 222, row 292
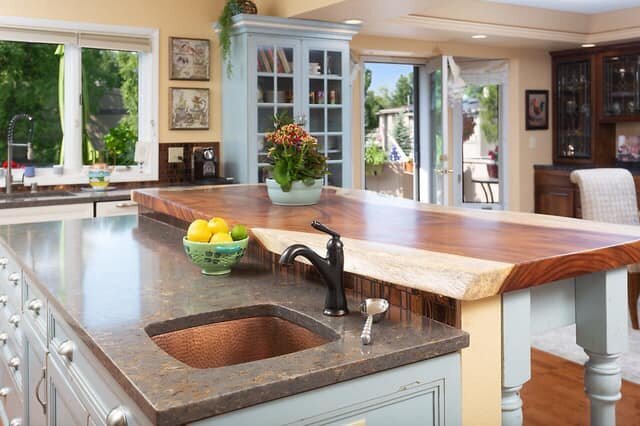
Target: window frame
column 68, row 33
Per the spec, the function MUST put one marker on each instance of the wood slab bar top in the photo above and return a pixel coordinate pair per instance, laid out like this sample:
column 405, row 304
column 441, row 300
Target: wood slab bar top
column 460, row 253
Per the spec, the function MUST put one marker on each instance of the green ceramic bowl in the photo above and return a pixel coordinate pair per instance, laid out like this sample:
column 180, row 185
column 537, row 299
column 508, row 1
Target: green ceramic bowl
column 215, row 258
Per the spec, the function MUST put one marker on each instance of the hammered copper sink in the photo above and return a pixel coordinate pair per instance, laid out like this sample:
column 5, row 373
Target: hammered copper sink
column 239, row 336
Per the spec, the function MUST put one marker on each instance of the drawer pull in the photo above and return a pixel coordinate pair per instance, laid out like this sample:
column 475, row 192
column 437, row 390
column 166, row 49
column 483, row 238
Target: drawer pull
column 66, row 350
column 14, row 363
column 14, row 320
column 4, row 300
column 16, row 422
column 125, row 205
column 14, row 278
column 4, row 392
column 34, row 306
column 3, row 338
column 4, row 262
column 42, row 403
column 117, row 417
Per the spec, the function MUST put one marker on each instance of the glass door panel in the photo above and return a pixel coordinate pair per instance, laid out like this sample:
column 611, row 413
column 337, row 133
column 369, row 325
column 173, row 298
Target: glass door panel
column 621, row 85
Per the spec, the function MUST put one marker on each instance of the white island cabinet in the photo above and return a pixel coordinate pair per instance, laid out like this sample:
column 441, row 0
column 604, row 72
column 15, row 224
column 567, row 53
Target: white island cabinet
column 293, row 66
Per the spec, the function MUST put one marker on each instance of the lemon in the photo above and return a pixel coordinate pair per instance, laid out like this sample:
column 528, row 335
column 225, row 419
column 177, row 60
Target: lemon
column 199, row 231
column 239, row 232
column 218, row 224
column 221, row 237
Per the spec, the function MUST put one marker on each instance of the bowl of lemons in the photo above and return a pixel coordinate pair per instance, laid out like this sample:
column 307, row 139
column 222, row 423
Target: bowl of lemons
column 214, row 247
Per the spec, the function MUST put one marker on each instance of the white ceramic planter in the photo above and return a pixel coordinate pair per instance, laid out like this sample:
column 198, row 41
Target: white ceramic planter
column 299, row 195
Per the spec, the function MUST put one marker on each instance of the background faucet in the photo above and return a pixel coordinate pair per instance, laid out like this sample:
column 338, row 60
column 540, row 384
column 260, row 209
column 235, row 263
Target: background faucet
column 331, row 269
column 11, row 145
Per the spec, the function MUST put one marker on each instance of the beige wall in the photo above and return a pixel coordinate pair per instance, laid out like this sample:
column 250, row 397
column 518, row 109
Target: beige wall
column 528, row 69
column 173, row 18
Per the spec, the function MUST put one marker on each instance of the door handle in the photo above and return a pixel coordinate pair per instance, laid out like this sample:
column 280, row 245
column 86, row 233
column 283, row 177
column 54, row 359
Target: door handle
column 442, row 172
column 42, row 403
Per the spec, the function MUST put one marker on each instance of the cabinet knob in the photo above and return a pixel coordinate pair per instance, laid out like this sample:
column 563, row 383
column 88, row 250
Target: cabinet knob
column 66, row 350
column 14, row 278
column 3, row 338
column 34, row 306
column 14, row 320
column 3, row 300
column 16, row 422
column 4, row 392
column 4, row 262
column 14, row 363
column 117, row 417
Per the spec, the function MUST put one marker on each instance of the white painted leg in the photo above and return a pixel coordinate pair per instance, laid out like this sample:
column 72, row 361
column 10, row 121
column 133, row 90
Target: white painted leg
column 516, row 353
column 601, row 329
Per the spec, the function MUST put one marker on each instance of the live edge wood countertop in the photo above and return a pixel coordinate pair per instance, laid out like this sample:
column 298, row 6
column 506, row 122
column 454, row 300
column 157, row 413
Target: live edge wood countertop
column 464, row 254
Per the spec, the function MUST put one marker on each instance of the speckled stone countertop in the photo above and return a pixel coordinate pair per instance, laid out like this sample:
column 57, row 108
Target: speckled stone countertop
column 113, row 278
column 53, row 198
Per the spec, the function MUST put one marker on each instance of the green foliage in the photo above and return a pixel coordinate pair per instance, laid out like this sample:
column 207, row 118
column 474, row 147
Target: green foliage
column 225, row 23
column 374, row 155
column 120, row 144
column 29, row 84
column 489, row 113
column 402, row 95
column 402, row 135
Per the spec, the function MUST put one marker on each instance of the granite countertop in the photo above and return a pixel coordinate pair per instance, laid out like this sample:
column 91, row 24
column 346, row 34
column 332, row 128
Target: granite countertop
column 112, row 278
column 465, row 254
column 52, row 198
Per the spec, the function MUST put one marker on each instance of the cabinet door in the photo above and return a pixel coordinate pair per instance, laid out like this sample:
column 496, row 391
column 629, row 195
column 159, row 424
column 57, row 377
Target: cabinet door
column 275, row 66
column 65, row 408
column 116, row 208
column 34, row 376
column 46, row 213
column 327, row 105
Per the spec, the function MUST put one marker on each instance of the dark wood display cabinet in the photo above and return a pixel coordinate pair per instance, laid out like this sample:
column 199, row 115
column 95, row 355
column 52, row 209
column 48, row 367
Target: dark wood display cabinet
column 593, row 91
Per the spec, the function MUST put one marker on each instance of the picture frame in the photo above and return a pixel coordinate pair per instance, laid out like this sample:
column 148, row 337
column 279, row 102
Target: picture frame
column 189, row 59
column 188, row 108
column 536, row 109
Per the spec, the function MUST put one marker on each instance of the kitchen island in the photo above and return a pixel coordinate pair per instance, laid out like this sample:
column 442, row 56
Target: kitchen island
column 513, row 274
column 89, row 302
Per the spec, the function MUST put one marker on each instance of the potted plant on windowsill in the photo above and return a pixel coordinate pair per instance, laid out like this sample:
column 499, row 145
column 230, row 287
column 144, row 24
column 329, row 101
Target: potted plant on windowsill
column 298, row 168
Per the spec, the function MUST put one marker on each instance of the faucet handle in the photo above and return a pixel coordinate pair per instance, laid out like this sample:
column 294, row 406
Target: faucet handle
column 322, row 228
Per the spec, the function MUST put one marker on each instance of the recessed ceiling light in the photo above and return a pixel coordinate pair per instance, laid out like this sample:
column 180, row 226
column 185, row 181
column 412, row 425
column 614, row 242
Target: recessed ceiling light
column 588, row 45
column 478, row 36
column 353, row 21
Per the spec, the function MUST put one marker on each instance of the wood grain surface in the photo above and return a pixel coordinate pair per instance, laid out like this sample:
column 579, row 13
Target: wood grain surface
column 540, row 249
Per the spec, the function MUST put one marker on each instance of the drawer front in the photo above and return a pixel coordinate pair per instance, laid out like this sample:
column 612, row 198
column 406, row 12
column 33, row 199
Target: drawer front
column 10, row 320
column 11, row 286
column 34, row 306
column 46, row 213
column 116, row 208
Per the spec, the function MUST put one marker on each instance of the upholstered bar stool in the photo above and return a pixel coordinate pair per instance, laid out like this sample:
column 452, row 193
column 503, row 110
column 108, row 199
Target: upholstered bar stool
column 609, row 195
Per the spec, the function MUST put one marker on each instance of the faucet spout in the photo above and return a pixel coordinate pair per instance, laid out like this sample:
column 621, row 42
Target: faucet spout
column 330, row 268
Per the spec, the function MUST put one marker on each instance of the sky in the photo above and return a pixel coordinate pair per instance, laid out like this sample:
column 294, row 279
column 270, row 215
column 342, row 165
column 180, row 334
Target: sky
column 386, row 75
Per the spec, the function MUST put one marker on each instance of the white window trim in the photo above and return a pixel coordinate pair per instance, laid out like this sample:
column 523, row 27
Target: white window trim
column 148, row 89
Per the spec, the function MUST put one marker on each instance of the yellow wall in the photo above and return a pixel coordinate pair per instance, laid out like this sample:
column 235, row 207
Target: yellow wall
column 173, row 18
column 528, row 69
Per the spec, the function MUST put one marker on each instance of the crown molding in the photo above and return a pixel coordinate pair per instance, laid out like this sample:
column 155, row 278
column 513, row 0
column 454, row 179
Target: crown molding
column 515, row 31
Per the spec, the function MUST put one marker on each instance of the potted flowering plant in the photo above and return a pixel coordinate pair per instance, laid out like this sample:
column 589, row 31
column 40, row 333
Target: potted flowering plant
column 492, row 169
column 297, row 166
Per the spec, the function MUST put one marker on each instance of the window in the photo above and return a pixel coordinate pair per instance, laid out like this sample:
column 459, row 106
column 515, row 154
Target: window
column 92, row 93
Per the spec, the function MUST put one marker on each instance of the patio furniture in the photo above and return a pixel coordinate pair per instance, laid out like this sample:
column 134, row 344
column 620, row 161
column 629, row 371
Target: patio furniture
column 609, row 195
column 485, row 184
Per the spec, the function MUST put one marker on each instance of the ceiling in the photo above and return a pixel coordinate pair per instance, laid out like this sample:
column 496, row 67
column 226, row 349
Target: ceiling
column 578, row 6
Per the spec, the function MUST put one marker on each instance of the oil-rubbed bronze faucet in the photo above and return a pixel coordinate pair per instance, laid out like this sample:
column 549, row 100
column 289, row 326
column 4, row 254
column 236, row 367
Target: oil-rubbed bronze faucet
column 331, row 269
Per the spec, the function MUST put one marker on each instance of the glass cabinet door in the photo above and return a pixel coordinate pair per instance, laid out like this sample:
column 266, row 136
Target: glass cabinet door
column 325, row 96
column 621, row 85
column 573, row 110
column 275, row 92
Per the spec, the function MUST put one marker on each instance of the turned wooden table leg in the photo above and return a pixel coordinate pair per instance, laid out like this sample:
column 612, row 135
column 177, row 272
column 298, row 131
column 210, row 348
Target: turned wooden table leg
column 601, row 329
column 516, row 353
column 634, row 293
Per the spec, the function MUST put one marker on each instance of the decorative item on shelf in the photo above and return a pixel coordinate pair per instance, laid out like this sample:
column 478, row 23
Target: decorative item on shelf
column 99, row 177
column 492, row 169
column 628, row 149
column 225, row 22
column 189, row 108
column 315, row 68
column 537, row 109
column 189, row 59
column 298, row 168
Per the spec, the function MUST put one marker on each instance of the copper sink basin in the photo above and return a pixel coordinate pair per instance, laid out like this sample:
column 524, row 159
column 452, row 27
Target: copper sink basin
column 252, row 337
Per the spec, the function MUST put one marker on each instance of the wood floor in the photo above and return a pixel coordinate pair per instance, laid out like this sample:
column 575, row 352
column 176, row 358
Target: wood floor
column 555, row 395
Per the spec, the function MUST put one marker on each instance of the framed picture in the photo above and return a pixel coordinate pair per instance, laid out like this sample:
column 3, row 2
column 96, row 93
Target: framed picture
column 188, row 108
column 189, row 59
column 536, row 109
